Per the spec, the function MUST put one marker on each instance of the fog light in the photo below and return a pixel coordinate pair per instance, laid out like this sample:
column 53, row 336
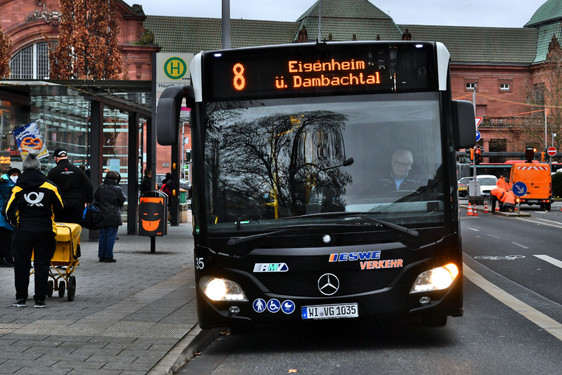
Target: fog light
column 218, row 289
column 435, row 279
column 234, row 310
column 425, row 300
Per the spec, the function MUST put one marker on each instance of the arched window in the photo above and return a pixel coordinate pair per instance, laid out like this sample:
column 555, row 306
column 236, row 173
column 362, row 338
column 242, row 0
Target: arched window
column 31, row 62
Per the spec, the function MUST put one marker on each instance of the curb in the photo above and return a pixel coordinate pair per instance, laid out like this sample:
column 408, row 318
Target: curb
column 508, row 214
column 195, row 340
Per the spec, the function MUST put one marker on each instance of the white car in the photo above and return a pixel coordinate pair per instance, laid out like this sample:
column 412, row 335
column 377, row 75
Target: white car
column 487, row 184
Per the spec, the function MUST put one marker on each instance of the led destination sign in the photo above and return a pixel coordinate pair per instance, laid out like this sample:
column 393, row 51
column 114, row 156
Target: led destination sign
column 345, row 73
column 309, row 70
column 303, row 75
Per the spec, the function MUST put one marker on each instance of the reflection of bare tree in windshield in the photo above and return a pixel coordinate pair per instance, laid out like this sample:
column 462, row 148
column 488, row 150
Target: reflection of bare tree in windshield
column 271, row 166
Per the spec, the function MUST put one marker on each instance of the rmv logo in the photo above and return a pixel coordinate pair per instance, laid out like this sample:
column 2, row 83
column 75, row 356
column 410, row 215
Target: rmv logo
column 271, row 267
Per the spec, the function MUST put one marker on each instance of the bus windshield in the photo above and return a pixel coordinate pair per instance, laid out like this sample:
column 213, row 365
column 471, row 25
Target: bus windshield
column 374, row 155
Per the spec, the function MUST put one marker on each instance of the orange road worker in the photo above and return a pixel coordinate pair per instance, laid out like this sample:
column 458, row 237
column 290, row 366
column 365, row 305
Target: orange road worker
column 508, row 201
column 497, row 195
column 502, row 183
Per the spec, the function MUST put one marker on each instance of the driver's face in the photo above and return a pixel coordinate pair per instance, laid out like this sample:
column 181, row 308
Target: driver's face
column 401, row 165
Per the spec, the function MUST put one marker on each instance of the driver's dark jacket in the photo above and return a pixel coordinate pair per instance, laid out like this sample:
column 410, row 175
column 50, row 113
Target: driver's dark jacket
column 388, row 184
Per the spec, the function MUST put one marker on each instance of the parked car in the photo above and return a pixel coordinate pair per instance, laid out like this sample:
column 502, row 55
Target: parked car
column 487, row 183
column 463, row 186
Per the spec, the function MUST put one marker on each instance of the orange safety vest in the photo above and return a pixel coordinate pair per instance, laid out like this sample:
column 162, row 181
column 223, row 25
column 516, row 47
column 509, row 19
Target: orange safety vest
column 498, row 192
column 508, row 197
column 502, row 183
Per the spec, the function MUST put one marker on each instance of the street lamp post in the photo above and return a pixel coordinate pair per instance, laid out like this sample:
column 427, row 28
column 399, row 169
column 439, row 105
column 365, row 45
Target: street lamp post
column 475, row 189
column 545, row 129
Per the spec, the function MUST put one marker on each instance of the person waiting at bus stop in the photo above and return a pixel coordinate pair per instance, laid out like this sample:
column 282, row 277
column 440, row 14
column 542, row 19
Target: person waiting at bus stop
column 497, row 195
column 508, row 201
column 74, row 187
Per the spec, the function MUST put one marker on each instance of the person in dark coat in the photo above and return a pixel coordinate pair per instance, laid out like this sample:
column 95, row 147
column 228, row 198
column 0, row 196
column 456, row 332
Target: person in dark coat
column 146, row 185
column 7, row 183
column 30, row 211
column 74, row 187
column 109, row 198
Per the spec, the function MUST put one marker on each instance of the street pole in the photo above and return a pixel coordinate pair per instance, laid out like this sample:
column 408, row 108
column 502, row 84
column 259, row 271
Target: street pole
column 225, row 24
column 182, row 151
column 320, row 21
column 476, row 190
column 545, row 129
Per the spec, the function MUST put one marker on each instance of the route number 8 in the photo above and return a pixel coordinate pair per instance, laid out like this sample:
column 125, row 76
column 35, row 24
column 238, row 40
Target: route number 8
column 239, row 81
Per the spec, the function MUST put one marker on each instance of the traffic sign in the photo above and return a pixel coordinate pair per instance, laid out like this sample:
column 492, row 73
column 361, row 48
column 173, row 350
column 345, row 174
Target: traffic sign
column 519, row 189
column 477, row 121
column 478, row 136
column 551, row 151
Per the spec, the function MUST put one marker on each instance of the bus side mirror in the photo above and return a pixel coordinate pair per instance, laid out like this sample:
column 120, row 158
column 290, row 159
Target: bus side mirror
column 464, row 126
column 168, row 113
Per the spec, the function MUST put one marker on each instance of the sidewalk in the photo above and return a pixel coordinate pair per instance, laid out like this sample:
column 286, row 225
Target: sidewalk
column 136, row 316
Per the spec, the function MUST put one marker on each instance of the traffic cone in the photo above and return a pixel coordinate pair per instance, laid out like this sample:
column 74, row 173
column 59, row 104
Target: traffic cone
column 475, row 211
column 485, row 207
column 498, row 207
column 469, row 213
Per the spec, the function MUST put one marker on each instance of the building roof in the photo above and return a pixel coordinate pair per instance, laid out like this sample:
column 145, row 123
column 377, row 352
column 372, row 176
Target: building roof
column 342, row 19
column 547, row 13
column 189, row 34
column 482, row 45
column 345, row 9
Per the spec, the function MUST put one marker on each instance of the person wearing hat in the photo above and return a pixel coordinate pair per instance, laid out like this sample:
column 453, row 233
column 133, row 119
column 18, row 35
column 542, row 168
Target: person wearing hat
column 74, row 187
column 109, row 198
column 30, row 211
column 7, row 183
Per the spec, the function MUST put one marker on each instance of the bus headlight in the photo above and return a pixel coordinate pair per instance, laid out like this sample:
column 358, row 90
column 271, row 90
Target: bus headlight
column 218, row 289
column 435, row 279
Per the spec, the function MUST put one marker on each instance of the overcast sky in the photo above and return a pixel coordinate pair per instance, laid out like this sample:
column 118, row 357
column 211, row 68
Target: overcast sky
column 491, row 13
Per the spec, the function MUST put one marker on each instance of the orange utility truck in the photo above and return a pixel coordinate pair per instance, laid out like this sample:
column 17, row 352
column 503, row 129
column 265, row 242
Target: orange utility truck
column 537, row 179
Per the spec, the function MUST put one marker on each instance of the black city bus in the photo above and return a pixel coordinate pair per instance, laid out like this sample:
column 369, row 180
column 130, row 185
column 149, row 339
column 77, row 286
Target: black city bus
column 291, row 152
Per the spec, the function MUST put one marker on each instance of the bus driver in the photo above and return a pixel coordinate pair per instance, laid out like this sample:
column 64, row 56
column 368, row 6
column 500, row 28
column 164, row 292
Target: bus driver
column 399, row 179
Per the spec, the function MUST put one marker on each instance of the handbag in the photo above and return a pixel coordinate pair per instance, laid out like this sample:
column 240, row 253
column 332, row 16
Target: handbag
column 92, row 218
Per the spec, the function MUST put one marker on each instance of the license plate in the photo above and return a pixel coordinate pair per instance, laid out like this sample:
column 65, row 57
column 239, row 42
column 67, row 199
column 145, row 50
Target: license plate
column 532, row 201
column 344, row 310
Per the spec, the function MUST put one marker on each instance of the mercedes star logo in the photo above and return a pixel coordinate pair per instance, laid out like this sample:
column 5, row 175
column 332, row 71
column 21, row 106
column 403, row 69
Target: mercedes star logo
column 328, row 284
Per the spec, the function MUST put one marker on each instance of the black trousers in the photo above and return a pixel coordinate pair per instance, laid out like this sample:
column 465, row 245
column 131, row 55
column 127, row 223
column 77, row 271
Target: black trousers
column 43, row 245
column 6, row 252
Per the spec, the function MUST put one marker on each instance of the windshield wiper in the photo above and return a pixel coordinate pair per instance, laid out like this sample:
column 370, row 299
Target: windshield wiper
column 238, row 240
column 390, row 225
column 252, row 237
